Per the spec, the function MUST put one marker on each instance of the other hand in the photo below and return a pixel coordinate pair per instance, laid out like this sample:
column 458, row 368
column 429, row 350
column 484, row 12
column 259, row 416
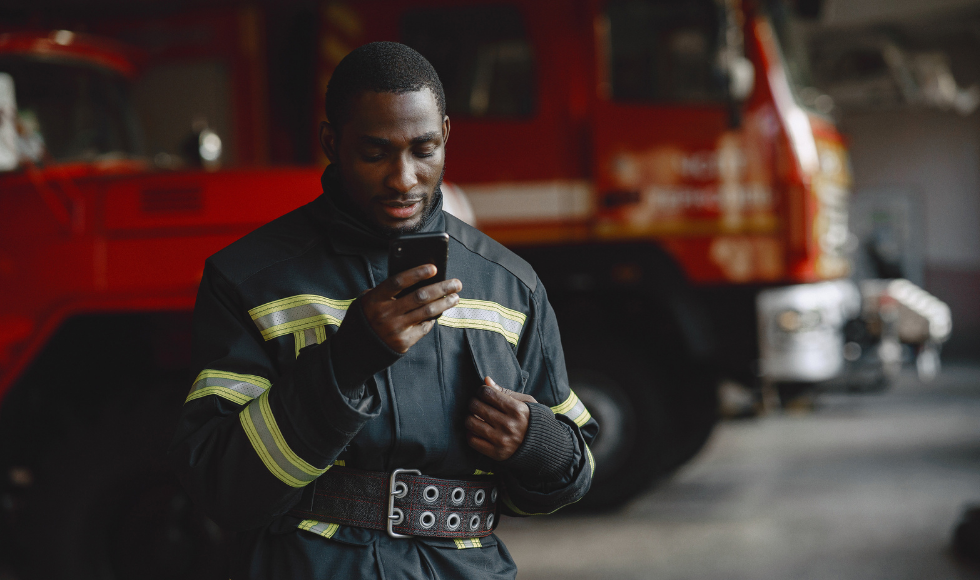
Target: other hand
column 498, row 421
column 401, row 322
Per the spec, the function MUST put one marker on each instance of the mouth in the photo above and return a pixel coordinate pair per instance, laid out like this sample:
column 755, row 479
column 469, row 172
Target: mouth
column 401, row 209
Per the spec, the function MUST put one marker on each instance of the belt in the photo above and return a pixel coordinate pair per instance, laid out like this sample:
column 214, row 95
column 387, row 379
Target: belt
column 404, row 503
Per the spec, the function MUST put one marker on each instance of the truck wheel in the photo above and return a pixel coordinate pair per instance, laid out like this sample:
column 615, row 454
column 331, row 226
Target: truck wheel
column 103, row 503
column 630, row 449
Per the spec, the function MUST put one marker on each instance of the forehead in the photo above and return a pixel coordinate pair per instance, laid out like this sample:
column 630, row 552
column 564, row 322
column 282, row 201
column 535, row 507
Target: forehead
column 390, row 115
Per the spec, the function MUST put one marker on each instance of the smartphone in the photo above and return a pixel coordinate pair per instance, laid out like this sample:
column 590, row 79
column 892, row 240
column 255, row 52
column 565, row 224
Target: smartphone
column 412, row 250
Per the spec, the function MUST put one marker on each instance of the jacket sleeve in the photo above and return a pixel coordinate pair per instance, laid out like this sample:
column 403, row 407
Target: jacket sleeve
column 251, row 436
column 553, row 467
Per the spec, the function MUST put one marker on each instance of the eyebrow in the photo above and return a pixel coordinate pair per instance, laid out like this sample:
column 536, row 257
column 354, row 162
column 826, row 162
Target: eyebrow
column 381, row 142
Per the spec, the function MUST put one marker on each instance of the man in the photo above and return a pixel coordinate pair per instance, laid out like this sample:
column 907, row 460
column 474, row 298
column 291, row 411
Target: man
column 314, row 383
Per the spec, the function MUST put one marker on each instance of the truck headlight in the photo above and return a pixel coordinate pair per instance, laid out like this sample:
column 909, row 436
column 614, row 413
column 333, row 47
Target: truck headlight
column 796, row 321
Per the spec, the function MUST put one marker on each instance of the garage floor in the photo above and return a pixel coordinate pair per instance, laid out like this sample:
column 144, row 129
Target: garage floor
column 861, row 487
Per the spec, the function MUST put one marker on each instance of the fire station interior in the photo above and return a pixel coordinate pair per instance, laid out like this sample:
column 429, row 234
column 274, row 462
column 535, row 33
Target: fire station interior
column 758, row 222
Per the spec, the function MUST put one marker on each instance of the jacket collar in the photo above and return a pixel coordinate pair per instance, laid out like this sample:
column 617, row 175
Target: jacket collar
column 347, row 233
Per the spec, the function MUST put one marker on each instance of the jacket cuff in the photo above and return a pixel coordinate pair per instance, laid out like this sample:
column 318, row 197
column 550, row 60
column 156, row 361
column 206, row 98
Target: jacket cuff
column 547, row 451
column 357, row 353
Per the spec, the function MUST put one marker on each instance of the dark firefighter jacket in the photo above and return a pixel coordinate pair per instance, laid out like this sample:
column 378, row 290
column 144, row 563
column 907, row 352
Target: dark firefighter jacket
column 289, row 380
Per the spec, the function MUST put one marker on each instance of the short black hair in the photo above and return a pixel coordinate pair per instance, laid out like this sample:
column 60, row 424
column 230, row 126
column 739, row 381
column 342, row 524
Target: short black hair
column 382, row 67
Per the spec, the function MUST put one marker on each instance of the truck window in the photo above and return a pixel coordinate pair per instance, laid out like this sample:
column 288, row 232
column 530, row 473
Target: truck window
column 482, row 55
column 73, row 111
column 664, row 50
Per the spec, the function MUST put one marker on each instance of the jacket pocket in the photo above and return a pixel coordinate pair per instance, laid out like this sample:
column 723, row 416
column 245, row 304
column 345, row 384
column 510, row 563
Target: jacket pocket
column 493, row 356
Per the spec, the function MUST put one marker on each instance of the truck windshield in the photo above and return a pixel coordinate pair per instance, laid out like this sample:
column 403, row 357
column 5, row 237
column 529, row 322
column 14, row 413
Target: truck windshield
column 664, row 50
column 69, row 111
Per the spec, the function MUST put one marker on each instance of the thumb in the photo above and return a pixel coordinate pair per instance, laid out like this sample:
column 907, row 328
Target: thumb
column 490, row 383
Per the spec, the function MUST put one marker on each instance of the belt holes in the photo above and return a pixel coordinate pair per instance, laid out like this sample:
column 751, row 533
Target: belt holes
column 489, row 521
column 479, row 497
column 452, row 522
column 493, row 495
column 401, row 489
column 400, row 516
column 430, row 493
column 474, row 522
column 458, row 496
column 427, row 520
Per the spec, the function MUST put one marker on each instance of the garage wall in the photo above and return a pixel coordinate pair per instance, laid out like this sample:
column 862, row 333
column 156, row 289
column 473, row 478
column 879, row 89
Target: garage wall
column 937, row 155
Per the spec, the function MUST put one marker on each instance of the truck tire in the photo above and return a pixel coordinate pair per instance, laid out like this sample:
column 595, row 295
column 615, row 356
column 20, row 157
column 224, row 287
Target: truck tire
column 104, row 504
column 631, row 448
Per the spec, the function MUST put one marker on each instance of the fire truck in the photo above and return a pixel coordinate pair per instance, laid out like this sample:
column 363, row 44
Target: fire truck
column 652, row 159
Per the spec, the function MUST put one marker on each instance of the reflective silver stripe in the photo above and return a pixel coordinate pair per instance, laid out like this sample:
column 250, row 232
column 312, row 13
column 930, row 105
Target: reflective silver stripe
column 574, row 409
column 232, row 386
column 485, row 315
column 324, row 529
column 267, row 440
column 297, row 313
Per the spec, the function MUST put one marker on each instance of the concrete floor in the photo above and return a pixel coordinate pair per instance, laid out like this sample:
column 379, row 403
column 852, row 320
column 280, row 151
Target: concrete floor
column 861, row 487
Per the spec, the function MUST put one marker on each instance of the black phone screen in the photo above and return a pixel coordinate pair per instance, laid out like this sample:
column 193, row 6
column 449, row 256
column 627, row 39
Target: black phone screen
column 412, row 250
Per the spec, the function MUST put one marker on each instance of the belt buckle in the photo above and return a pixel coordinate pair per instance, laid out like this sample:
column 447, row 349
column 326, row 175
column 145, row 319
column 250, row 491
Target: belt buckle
column 393, row 492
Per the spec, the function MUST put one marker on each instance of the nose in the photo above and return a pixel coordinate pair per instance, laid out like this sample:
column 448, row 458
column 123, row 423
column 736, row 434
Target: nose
column 402, row 176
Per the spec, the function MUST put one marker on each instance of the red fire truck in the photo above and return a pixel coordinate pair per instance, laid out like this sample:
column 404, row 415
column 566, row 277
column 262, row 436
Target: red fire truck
column 650, row 158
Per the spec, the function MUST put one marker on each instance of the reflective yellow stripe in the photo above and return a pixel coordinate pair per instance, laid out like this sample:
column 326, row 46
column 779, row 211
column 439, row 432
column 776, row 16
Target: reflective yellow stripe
column 591, row 461
column 481, row 472
column 268, row 442
column 574, row 409
column 232, row 386
column 463, row 543
column 485, row 315
column 296, row 313
column 319, row 528
column 309, row 336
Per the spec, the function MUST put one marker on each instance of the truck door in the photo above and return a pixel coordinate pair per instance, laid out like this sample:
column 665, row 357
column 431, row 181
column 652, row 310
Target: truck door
column 666, row 161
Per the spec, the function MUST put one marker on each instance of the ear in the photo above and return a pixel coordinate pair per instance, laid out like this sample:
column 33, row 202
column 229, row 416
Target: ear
column 328, row 141
column 445, row 130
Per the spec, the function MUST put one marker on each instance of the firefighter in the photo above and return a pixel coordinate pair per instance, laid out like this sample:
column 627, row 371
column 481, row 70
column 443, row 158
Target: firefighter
column 343, row 432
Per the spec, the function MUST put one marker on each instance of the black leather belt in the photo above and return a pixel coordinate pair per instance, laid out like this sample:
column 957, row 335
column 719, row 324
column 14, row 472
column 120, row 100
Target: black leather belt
column 404, row 503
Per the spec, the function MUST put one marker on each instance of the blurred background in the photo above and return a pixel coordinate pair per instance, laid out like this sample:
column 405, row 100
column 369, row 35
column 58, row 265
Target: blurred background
column 757, row 221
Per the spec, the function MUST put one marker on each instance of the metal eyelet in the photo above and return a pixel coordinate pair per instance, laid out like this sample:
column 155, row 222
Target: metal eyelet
column 453, row 521
column 430, row 493
column 479, row 497
column 400, row 490
column 397, row 517
column 427, row 520
column 474, row 522
column 458, row 496
column 493, row 495
column 489, row 521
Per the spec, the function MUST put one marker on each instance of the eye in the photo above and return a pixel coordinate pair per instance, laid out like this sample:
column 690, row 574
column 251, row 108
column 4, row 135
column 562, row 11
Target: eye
column 423, row 153
column 372, row 157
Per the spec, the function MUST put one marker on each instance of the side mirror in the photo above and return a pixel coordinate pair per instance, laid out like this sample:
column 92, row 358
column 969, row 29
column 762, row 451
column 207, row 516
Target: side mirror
column 9, row 155
column 202, row 147
column 741, row 78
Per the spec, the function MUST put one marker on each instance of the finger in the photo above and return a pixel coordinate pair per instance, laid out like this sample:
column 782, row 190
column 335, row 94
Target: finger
column 395, row 284
column 432, row 292
column 476, row 426
column 491, row 415
column 431, row 310
column 522, row 397
column 499, row 400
